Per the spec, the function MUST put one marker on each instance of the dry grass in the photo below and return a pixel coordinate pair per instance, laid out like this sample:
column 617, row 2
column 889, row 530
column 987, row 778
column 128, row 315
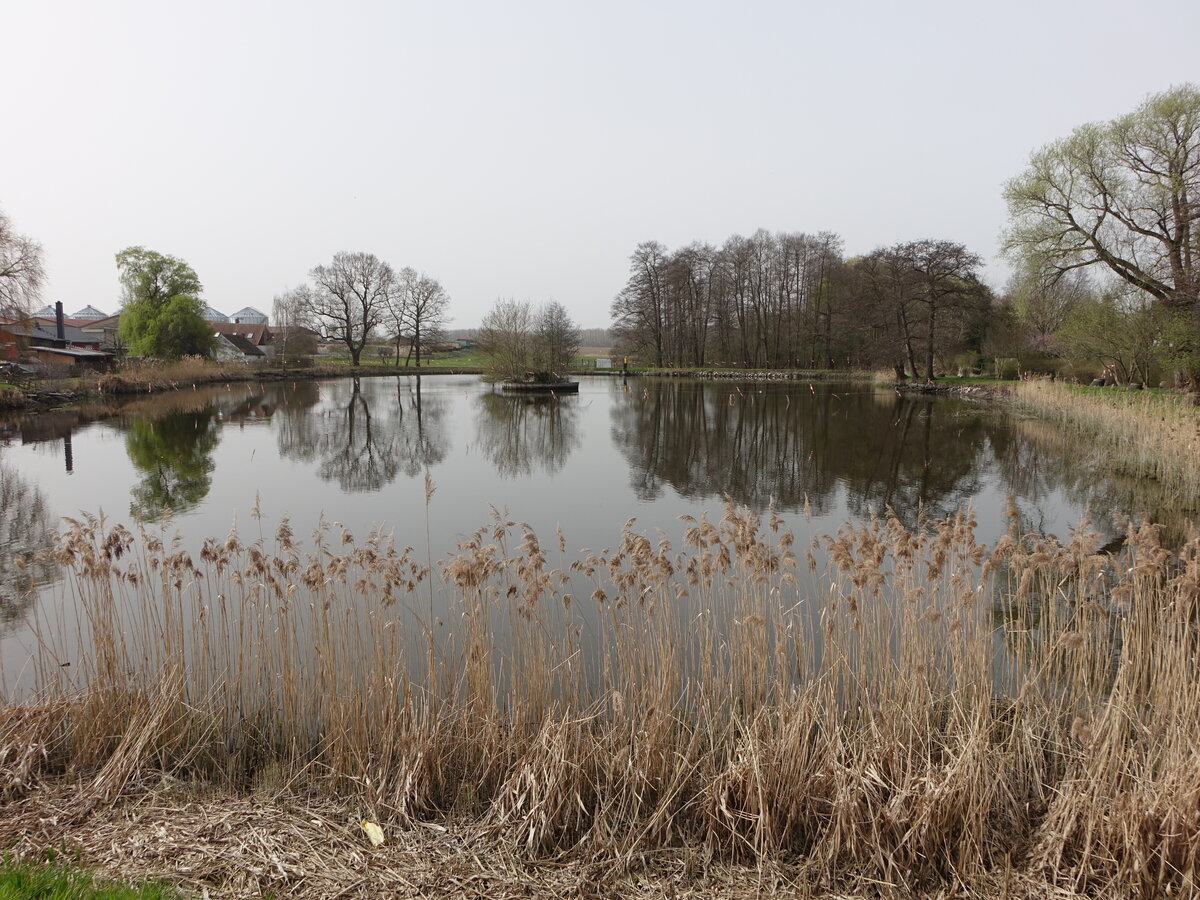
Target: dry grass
column 148, row 375
column 921, row 715
column 1142, row 433
column 11, row 397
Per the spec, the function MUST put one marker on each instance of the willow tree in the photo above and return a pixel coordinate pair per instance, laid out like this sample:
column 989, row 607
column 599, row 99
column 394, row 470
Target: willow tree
column 1123, row 195
column 161, row 309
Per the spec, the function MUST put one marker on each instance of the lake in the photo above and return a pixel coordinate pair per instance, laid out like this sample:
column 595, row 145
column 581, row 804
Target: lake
column 357, row 452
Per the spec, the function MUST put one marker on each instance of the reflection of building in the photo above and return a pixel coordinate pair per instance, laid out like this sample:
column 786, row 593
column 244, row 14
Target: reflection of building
column 255, row 408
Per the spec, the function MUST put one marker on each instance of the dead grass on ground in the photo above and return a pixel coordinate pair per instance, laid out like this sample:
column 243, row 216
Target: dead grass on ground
column 213, row 845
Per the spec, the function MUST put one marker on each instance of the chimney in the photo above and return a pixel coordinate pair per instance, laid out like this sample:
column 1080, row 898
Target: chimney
column 60, row 331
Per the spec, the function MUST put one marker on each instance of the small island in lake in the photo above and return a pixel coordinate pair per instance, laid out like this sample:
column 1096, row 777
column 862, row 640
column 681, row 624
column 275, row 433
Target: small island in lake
column 541, row 382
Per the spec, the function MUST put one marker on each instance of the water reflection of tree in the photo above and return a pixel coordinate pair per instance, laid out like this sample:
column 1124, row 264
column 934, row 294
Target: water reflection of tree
column 422, row 432
column 914, row 455
column 521, row 433
column 756, row 443
column 173, row 453
column 294, row 422
column 361, row 444
column 707, row 441
column 25, row 528
column 356, row 451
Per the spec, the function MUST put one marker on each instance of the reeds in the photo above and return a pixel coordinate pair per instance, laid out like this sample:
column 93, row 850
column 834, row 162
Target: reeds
column 1141, row 433
column 909, row 708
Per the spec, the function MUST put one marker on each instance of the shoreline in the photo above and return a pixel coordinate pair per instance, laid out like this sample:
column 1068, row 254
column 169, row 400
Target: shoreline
column 116, row 385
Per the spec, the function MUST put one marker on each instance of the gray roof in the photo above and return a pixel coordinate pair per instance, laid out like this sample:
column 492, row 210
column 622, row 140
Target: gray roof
column 212, row 315
column 88, row 312
column 36, row 330
column 246, row 347
column 77, row 352
column 249, row 314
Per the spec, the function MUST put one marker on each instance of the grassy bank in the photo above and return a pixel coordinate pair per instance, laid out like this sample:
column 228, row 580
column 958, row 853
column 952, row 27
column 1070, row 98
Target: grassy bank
column 1146, row 434
column 52, row 881
column 919, row 711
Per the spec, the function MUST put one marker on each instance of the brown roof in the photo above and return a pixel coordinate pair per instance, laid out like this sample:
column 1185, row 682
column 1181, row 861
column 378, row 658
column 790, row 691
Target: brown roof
column 100, row 324
column 256, row 334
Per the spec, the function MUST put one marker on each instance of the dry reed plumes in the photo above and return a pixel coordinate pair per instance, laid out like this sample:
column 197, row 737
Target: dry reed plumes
column 922, row 711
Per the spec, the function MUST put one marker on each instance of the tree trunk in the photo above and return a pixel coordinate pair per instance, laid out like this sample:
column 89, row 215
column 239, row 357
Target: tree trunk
column 929, row 343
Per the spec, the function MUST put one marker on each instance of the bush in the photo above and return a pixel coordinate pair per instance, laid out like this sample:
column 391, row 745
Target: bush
column 968, row 363
column 1008, row 368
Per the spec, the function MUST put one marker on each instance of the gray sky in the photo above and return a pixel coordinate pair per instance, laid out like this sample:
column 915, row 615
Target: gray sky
column 523, row 149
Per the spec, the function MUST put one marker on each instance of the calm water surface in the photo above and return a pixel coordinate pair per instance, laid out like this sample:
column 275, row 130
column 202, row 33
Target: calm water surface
column 357, row 452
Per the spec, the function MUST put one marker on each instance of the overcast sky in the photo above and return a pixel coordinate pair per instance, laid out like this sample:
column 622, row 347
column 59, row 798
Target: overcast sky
column 521, row 149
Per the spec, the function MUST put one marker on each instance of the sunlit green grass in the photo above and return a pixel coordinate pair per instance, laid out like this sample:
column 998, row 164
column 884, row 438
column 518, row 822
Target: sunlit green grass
column 52, row 881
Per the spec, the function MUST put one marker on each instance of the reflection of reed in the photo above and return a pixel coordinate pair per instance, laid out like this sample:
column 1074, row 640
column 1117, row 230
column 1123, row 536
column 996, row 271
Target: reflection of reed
column 1045, row 456
column 522, row 434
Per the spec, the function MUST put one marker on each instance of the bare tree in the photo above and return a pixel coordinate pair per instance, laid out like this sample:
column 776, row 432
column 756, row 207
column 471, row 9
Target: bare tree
column 556, row 339
column 291, row 337
column 21, row 272
column 506, row 335
column 421, row 310
column 350, row 297
column 947, row 278
column 1042, row 302
column 639, row 312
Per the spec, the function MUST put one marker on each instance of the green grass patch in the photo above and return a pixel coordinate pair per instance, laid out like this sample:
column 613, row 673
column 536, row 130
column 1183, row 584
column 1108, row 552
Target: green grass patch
column 54, row 881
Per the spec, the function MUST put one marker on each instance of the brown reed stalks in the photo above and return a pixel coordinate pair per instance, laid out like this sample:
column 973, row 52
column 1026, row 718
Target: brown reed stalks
column 920, row 711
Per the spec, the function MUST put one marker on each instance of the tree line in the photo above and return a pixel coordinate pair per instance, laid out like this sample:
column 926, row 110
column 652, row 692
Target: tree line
column 792, row 300
column 1104, row 239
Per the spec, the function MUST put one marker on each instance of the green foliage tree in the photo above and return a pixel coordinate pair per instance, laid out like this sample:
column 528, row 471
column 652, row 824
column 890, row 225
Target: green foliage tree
column 161, row 312
column 1121, row 195
column 1117, row 333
